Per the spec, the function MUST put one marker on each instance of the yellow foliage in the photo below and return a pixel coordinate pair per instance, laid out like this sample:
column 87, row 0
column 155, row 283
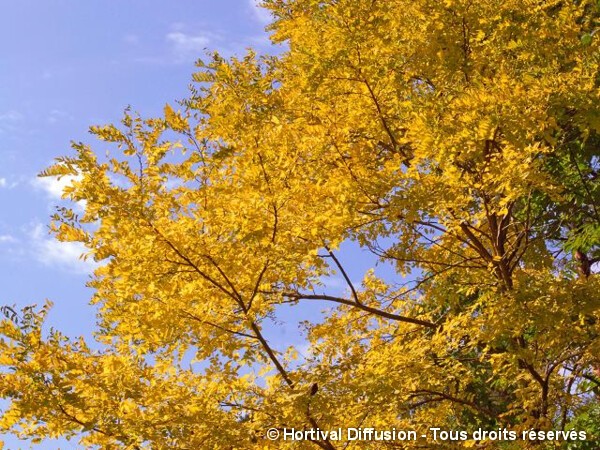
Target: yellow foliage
column 456, row 142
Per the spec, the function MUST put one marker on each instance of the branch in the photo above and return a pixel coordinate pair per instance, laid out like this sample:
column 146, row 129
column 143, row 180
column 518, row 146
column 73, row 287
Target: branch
column 443, row 396
column 193, row 265
column 345, row 275
column 377, row 312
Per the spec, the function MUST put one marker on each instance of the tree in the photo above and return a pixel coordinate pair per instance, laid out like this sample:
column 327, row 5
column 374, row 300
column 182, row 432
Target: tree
column 456, row 140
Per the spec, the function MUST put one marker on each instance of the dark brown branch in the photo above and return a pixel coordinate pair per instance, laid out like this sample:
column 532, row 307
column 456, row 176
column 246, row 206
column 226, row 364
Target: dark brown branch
column 475, row 243
column 193, row 265
column 219, row 327
column 377, row 312
column 345, row 275
column 257, row 284
column 451, row 398
column 227, row 280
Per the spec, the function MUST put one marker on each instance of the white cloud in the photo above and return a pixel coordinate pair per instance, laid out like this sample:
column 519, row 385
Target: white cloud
column 62, row 255
column 186, row 46
column 56, row 115
column 10, row 121
column 34, row 243
column 11, row 116
column 7, row 238
column 4, row 183
column 53, row 186
column 261, row 14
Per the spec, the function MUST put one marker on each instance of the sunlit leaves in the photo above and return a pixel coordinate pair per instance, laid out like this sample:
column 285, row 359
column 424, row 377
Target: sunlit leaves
column 455, row 142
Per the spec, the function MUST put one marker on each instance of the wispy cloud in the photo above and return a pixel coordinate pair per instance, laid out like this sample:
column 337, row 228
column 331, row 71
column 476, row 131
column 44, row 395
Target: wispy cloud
column 10, row 120
column 57, row 115
column 11, row 116
column 181, row 47
column 7, row 239
column 5, row 184
column 187, row 46
column 261, row 14
column 33, row 242
column 62, row 255
column 52, row 186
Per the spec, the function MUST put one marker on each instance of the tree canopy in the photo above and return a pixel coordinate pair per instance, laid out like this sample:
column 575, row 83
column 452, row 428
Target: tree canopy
column 458, row 141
